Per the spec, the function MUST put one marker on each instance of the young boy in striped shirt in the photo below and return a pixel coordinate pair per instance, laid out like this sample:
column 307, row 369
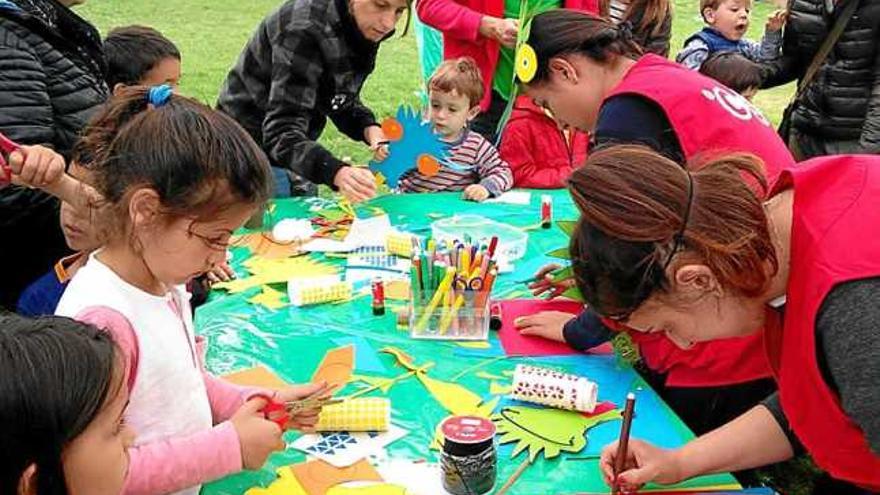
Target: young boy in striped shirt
column 455, row 91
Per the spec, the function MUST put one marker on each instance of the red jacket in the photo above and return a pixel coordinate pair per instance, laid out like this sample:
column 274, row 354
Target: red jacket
column 459, row 21
column 539, row 154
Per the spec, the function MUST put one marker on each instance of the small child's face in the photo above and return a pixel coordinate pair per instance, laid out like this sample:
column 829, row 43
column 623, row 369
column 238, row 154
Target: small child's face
column 731, row 18
column 79, row 232
column 749, row 93
column 450, row 112
column 95, row 462
column 166, row 71
column 177, row 250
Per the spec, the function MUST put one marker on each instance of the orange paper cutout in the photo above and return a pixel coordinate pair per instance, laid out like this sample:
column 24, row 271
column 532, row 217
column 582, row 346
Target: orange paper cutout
column 258, row 376
column 336, row 367
column 392, row 129
column 428, row 165
column 264, row 245
column 316, row 477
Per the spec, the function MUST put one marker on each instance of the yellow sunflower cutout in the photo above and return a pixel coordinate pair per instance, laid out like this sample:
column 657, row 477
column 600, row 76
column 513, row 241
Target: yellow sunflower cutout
column 526, row 63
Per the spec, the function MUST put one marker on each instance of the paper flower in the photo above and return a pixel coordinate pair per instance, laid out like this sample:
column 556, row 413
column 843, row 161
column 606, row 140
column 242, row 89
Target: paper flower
column 526, row 63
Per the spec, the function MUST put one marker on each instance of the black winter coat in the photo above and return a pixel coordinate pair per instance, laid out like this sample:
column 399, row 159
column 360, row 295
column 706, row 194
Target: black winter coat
column 842, row 104
column 51, row 81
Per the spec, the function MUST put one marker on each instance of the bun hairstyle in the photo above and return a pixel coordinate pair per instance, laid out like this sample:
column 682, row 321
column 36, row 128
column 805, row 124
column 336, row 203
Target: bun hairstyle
column 564, row 31
column 639, row 210
column 198, row 160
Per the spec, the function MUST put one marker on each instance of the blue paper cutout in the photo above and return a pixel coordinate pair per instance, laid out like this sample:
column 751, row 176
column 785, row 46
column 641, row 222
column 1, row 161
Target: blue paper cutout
column 417, row 139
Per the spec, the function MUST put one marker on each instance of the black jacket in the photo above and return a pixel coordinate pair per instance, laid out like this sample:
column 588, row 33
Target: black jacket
column 51, row 81
column 306, row 62
column 843, row 101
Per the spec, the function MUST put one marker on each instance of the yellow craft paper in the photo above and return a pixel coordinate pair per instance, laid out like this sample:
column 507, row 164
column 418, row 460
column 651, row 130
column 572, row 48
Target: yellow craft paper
column 397, row 290
column 361, row 414
column 262, row 244
column 286, row 484
column 377, row 489
column 488, row 376
column 453, row 397
column 496, row 388
column 273, row 271
column 270, row 298
column 384, row 384
column 474, row 345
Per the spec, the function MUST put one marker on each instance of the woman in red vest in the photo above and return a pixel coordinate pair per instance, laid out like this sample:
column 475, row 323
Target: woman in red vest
column 698, row 256
column 486, row 30
column 591, row 76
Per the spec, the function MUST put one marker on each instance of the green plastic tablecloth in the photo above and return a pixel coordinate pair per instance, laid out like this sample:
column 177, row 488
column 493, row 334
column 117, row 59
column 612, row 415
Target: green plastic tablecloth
column 292, row 341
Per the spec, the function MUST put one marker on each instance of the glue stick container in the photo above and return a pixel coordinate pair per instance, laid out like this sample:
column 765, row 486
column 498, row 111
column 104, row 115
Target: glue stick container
column 468, row 462
column 554, row 388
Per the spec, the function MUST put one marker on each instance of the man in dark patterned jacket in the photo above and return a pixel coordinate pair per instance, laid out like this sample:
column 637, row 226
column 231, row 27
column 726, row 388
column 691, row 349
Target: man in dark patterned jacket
column 307, row 62
column 51, row 81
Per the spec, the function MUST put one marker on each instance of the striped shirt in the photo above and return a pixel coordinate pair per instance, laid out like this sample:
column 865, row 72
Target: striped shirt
column 617, row 10
column 484, row 166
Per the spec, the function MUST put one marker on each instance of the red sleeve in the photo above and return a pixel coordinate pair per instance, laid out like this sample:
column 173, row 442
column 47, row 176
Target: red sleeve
column 516, row 148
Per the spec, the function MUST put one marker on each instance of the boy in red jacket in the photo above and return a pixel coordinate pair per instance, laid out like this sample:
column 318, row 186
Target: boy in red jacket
column 540, row 154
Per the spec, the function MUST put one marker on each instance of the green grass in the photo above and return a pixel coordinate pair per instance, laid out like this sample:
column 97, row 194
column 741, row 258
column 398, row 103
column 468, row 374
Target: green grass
column 211, row 33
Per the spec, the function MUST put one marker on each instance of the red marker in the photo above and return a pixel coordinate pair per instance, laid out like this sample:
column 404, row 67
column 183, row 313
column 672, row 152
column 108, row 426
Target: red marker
column 493, row 243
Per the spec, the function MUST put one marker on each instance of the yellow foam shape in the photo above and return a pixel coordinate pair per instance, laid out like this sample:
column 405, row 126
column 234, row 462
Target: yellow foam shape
column 273, row 271
column 377, row 489
column 286, row 484
column 304, row 295
column 399, row 243
column 361, row 414
column 270, row 298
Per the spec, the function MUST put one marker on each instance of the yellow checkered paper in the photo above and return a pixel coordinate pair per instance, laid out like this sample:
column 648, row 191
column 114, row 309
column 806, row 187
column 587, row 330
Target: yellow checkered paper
column 359, row 414
column 303, row 295
column 399, row 243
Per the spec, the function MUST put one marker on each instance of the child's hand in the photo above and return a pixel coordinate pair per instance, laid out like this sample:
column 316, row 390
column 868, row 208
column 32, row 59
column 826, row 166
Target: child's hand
column 776, row 20
column 546, row 324
column 220, row 273
column 36, row 166
column 258, row 436
column 304, row 420
column 475, row 192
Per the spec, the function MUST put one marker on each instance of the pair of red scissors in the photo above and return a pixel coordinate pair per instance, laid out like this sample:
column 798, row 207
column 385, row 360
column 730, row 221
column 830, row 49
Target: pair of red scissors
column 65, row 188
column 281, row 412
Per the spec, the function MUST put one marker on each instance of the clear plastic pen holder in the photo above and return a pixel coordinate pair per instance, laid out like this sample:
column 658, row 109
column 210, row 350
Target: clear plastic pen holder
column 464, row 320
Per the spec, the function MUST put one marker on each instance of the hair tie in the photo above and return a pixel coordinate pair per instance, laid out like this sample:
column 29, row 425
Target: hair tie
column 159, row 95
column 625, row 31
column 679, row 236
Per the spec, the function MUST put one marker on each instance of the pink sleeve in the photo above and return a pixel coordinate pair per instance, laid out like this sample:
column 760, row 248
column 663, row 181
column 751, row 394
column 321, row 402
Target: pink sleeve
column 123, row 334
column 171, row 465
column 451, row 18
column 175, row 464
column 225, row 397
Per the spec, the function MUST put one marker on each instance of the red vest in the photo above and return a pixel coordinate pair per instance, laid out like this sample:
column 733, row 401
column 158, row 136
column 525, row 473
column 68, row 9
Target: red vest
column 834, row 239
column 708, row 120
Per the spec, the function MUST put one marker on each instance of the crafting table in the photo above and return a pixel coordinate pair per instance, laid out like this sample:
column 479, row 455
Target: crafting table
column 291, row 341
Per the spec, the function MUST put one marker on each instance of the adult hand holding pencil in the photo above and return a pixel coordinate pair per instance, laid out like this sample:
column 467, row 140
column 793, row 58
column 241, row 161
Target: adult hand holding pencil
column 627, row 464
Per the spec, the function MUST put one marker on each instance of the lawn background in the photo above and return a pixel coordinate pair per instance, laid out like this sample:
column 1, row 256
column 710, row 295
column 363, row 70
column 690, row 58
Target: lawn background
column 211, row 34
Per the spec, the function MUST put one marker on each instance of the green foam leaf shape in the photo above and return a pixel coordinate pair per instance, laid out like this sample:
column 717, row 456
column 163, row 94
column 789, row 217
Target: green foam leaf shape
column 543, row 429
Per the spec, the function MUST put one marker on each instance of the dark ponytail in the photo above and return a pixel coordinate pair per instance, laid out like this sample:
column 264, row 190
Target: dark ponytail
column 564, row 31
column 56, row 375
column 197, row 159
